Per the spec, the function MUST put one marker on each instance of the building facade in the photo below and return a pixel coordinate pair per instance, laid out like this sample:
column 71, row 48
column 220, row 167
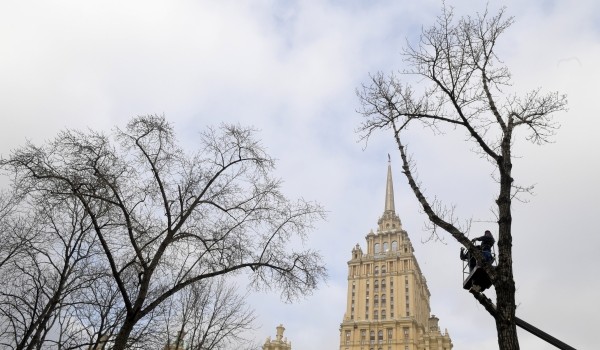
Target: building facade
column 387, row 306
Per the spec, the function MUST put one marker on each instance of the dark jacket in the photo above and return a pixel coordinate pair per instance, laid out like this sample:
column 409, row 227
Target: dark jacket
column 486, row 242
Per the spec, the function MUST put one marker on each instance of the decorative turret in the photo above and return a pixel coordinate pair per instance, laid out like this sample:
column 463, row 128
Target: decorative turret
column 357, row 252
column 433, row 324
column 280, row 330
column 280, row 343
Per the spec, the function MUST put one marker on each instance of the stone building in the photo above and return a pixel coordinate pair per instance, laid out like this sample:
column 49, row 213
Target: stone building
column 387, row 306
column 279, row 343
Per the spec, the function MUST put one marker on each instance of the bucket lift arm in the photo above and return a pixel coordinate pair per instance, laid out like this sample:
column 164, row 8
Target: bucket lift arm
column 491, row 308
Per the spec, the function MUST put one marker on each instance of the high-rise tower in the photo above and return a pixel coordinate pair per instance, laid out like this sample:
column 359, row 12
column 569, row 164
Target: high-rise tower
column 388, row 299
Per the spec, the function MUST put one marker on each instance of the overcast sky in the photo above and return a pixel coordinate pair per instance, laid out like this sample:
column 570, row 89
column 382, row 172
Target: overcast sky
column 290, row 68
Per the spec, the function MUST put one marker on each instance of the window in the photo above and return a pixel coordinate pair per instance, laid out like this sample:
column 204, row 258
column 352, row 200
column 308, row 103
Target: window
column 386, row 247
column 377, row 270
column 347, row 337
column 383, row 314
column 377, row 248
column 363, row 336
column 389, row 333
column 382, row 299
column 383, row 284
column 394, row 246
column 380, row 336
column 382, row 269
column 376, row 301
column 405, row 331
column 372, row 336
column 375, row 315
column 376, row 288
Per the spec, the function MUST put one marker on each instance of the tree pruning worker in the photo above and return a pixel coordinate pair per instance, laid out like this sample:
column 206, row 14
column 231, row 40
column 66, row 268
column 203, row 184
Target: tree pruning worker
column 487, row 241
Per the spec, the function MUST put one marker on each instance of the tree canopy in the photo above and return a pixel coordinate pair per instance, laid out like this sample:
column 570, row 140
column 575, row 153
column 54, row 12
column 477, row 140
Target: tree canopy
column 152, row 219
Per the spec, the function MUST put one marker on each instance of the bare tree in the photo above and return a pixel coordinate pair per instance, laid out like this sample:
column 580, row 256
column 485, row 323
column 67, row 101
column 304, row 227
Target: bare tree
column 209, row 316
column 92, row 315
column 50, row 267
column 166, row 219
column 12, row 233
column 463, row 88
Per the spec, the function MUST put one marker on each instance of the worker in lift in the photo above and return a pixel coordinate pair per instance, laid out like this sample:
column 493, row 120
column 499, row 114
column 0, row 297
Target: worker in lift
column 466, row 256
column 477, row 279
column 487, row 242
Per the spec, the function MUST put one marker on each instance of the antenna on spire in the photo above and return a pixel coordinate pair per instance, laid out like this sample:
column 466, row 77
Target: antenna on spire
column 389, row 158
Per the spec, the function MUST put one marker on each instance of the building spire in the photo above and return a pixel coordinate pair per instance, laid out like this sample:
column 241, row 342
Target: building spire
column 389, row 190
column 389, row 220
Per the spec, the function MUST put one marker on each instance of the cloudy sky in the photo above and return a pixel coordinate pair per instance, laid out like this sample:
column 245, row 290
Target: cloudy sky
column 290, row 68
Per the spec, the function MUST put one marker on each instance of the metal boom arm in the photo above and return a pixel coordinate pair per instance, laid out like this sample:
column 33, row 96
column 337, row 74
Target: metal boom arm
column 491, row 308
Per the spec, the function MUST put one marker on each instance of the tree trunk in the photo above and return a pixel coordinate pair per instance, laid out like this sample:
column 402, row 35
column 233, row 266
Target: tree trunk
column 505, row 321
column 505, row 284
column 124, row 332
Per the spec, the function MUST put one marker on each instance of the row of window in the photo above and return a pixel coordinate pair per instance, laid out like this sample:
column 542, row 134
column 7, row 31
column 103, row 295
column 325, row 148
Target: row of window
column 357, row 270
column 386, row 247
column 377, row 301
column 380, row 333
column 407, row 299
column 375, row 288
column 376, row 283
